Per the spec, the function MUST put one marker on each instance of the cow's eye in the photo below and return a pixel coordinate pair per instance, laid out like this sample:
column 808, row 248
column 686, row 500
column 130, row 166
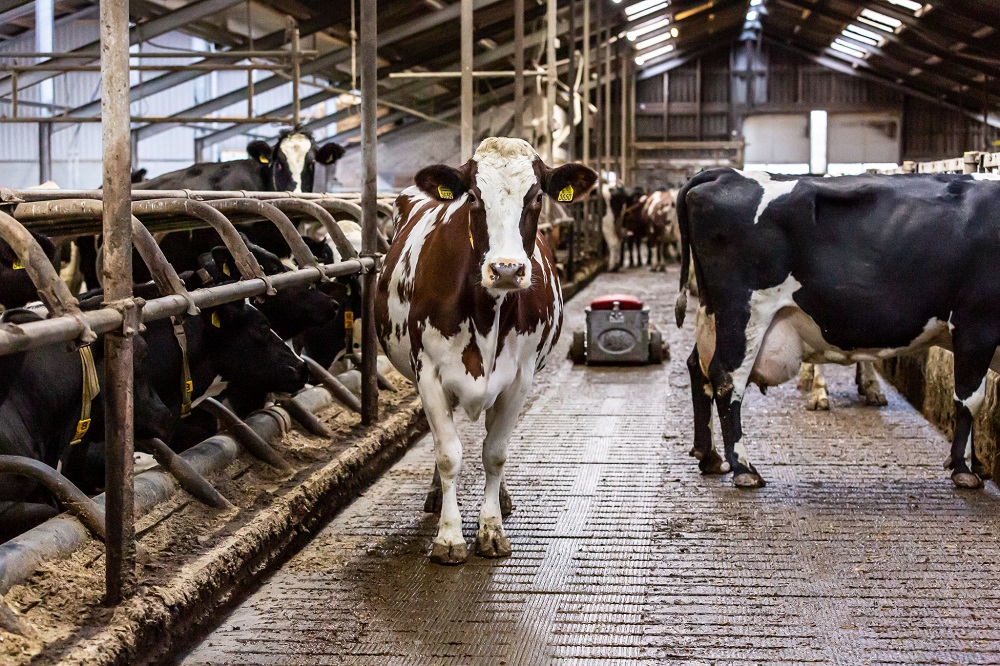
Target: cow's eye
column 472, row 197
column 538, row 199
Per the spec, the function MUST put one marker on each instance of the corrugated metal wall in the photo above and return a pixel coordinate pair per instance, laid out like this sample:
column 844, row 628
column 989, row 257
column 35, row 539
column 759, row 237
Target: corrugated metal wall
column 707, row 99
column 76, row 149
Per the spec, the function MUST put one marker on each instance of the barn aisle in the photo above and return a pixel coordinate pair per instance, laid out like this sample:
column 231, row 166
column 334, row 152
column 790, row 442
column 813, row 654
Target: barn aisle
column 858, row 551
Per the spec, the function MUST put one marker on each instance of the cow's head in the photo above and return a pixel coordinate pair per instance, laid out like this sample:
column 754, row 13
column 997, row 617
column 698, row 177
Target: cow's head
column 503, row 186
column 246, row 351
column 16, row 287
column 291, row 163
column 290, row 311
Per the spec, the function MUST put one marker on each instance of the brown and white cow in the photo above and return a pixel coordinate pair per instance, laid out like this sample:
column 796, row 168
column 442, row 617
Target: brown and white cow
column 660, row 211
column 469, row 305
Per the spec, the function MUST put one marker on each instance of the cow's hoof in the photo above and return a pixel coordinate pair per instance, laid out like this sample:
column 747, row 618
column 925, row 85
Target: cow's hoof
column 432, row 503
column 875, row 398
column 748, row 480
column 696, row 453
column 967, row 480
column 980, row 470
column 821, row 404
column 492, row 542
column 506, row 503
column 449, row 554
column 712, row 463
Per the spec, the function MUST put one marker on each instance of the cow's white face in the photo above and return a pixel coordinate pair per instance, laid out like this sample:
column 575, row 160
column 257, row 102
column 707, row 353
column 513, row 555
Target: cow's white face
column 511, row 198
column 503, row 186
column 293, row 155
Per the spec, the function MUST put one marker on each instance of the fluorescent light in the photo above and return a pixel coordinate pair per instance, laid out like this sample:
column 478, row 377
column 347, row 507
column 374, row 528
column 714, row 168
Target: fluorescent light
column 907, row 4
column 674, row 32
column 654, row 54
column 858, row 30
column 635, row 33
column 648, row 11
column 752, row 15
column 756, row 3
column 848, row 49
column 862, row 38
column 645, row 44
column 887, row 22
column 640, row 6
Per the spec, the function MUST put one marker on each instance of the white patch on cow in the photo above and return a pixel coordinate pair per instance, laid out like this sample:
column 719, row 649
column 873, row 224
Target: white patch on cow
column 214, row 389
column 505, row 172
column 975, row 401
column 764, row 305
column 986, row 176
column 772, row 189
column 741, row 453
column 352, row 231
column 608, row 229
column 296, row 147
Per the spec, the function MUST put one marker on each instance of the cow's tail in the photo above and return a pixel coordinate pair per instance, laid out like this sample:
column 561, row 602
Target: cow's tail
column 683, row 224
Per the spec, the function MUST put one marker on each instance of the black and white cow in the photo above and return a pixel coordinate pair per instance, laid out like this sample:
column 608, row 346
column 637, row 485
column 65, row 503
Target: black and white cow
column 288, row 166
column 16, row 287
column 40, row 408
column 837, row 270
column 469, row 305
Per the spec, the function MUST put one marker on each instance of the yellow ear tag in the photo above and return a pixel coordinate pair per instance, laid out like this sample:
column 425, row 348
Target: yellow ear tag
column 216, row 322
column 348, row 319
column 18, row 266
column 565, row 194
column 225, row 268
column 445, row 193
column 82, row 426
column 264, row 160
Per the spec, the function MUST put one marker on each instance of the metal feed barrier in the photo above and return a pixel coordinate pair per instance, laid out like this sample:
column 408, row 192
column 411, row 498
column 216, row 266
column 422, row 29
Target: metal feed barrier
column 973, row 161
column 62, row 213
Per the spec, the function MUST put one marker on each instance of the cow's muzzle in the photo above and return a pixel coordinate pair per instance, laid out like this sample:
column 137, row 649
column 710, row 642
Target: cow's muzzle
column 506, row 274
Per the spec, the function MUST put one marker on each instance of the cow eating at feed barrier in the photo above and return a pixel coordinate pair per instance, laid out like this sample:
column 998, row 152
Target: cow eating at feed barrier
column 469, row 304
column 836, row 270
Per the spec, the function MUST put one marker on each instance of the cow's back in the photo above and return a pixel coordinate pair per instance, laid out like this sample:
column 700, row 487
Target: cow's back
column 219, row 176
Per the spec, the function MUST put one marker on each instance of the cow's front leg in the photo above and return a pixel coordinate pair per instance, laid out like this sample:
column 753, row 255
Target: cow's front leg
column 973, row 353
column 432, row 503
column 709, row 460
column 449, row 545
column 819, row 397
column 868, row 385
column 500, row 421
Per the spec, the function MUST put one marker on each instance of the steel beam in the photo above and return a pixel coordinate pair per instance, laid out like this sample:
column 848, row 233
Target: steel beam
column 120, row 575
column 140, row 33
column 518, row 69
column 369, row 208
column 466, row 96
column 320, row 65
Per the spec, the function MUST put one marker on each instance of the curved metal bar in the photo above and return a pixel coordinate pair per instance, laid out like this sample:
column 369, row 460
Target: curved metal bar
column 244, row 434
column 303, row 255
column 187, row 476
column 163, row 273
column 384, row 208
column 320, row 211
column 71, row 497
column 246, row 263
column 51, row 289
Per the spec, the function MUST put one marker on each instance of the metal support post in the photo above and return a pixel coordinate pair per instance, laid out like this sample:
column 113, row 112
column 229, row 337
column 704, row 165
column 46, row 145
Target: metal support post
column 585, row 92
column 466, row 30
column 519, row 69
column 571, row 145
column 623, row 88
column 551, row 69
column 369, row 205
column 117, row 226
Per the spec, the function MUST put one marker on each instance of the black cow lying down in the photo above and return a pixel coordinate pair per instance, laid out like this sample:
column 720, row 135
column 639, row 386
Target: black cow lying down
column 837, row 270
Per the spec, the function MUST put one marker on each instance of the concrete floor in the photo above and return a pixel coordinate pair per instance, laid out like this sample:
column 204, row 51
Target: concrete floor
column 858, row 551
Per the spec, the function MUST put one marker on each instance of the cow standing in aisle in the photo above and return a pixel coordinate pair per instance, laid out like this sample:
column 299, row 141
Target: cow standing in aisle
column 837, row 270
column 468, row 306
column 657, row 212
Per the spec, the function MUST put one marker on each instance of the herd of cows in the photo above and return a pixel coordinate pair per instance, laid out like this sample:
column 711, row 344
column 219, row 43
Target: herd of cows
column 469, row 304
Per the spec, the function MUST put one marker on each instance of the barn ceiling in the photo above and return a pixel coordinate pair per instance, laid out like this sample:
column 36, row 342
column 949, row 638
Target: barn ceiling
column 939, row 49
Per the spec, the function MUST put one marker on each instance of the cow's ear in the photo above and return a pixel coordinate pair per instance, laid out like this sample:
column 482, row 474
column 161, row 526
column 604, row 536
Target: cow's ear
column 224, row 264
column 259, row 151
column 443, row 182
column 329, row 153
column 569, row 182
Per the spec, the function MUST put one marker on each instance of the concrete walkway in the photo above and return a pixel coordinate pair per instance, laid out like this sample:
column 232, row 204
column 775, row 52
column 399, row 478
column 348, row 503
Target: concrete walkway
column 858, row 551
